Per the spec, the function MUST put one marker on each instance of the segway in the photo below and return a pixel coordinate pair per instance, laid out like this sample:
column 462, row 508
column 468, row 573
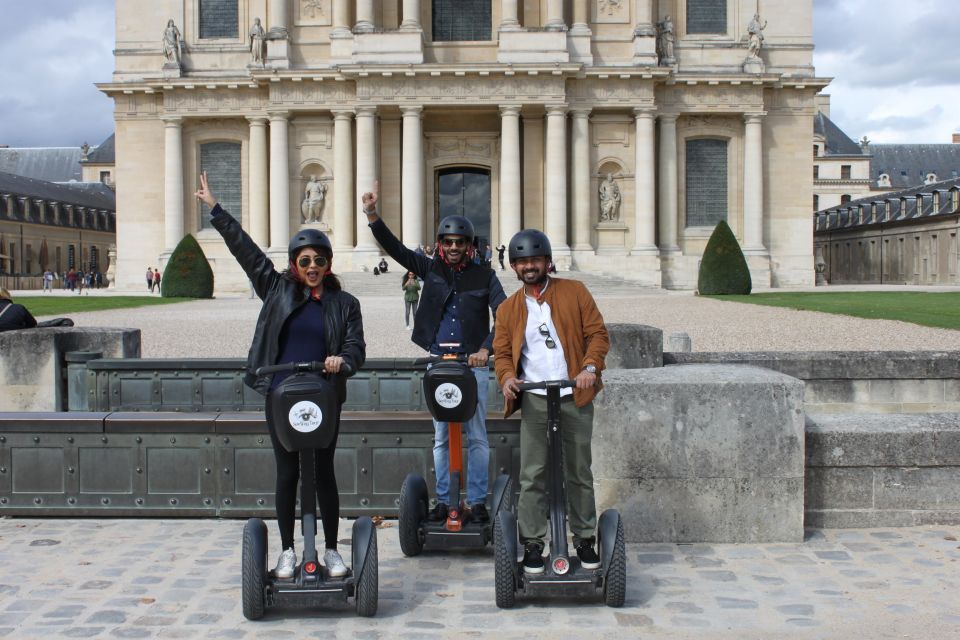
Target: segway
column 563, row 575
column 450, row 390
column 304, row 411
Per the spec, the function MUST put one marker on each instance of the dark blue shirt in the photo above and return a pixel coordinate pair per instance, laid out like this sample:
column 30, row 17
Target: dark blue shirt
column 450, row 330
column 302, row 338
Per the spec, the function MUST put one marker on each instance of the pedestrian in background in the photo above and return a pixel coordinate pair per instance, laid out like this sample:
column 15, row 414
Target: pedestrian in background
column 411, row 296
column 150, row 279
column 156, row 280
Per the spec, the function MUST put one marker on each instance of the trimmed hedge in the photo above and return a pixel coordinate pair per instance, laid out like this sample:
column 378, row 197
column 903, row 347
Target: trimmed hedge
column 187, row 274
column 723, row 269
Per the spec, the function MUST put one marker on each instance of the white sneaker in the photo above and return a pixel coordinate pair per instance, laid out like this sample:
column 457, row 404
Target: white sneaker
column 334, row 564
column 286, row 563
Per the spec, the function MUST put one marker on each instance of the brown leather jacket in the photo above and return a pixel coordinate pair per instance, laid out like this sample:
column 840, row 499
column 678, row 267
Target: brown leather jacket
column 580, row 327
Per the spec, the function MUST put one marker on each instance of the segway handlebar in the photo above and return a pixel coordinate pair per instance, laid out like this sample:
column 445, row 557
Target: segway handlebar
column 447, row 357
column 316, row 365
column 546, row 384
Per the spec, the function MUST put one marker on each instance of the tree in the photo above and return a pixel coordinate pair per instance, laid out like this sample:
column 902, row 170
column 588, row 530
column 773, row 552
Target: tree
column 187, row 274
column 723, row 269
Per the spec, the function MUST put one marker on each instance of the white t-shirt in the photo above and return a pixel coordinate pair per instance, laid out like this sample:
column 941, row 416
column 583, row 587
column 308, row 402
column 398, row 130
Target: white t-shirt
column 537, row 361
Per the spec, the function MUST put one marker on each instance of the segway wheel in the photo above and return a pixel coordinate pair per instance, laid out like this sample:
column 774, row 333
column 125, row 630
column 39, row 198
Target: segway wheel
column 506, row 502
column 254, row 564
column 368, row 582
column 503, row 567
column 413, row 510
column 615, row 582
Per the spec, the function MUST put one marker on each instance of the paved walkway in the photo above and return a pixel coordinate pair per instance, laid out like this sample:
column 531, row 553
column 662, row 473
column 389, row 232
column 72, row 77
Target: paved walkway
column 181, row 579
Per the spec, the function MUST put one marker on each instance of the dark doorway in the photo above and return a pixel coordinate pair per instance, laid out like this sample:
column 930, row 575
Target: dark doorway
column 465, row 191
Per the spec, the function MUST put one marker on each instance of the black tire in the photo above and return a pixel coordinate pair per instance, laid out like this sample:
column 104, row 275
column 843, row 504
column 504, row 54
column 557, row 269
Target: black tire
column 368, row 582
column 615, row 582
column 508, row 502
column 254, row 563
column 503, row 567
column 413, row 510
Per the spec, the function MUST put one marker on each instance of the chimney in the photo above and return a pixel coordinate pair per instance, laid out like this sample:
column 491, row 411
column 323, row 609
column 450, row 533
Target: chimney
column 956, row 138
column 822, row 103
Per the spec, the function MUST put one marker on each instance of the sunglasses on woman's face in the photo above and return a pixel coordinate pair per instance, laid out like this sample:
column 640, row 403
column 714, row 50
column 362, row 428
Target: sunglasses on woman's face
column 449, row 242
column 304, row 261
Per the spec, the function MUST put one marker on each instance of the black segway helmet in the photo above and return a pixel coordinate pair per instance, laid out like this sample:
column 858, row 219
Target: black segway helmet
column 309, row 238
column 529, row 243
column 455, row 226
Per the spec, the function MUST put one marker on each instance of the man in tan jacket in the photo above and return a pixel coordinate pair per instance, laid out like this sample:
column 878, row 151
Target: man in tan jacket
column 551, row 329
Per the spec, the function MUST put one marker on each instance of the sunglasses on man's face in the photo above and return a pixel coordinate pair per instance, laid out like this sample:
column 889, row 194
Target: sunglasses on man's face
column 304, row 261
column 449, row 242
column 547, row 338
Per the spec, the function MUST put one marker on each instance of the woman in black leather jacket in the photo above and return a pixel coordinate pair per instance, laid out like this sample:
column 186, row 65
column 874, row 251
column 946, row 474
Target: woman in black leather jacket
column 306, row 316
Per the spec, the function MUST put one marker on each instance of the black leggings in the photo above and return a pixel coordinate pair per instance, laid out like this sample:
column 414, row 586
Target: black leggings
column 288, row 479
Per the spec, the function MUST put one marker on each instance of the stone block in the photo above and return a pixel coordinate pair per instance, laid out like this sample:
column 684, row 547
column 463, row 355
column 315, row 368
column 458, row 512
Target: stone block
column 725, row 431
column 715, row 510
column 839, row 488
column 924, row 488
column 883, row 440
column 906, row 390
column 634, row 346
column 32, row 362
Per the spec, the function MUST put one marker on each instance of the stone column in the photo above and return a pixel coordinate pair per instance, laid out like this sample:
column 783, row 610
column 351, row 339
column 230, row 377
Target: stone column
column 644, row 188
column 343, row 180
column 278, row 18
column 555, row 213
column 279, row 181
column 508, row 15
column 366, row 173
column 753, row 183
column 259, row 224
column 510, row 173
column 172, row 182
column 411, row 15
column 580, row 186
column 555, row 16
column 668, row 185
column 644, row 34
column 581, row 15
column 341, row 17
column 364, row 22
column 413, row 170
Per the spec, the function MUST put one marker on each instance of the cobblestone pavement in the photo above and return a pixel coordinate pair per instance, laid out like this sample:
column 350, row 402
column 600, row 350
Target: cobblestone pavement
column 181, row 579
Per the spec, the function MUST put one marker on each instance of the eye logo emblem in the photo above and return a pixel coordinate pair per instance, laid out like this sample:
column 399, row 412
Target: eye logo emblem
column 305, row 416
column 448, row 395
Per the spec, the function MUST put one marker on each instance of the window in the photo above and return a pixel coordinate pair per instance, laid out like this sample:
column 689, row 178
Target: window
column 816, row 172
column 816, row 150
column 844, row 172
column 706, row 16
column 461, row 20
column 706, row 176
column 221, row 161
column 219, row 19
column 816, row 203
column 845, row 198
column 105, row 177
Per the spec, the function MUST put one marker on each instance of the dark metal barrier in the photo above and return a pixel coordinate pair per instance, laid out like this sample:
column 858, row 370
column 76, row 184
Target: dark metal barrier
column 206, row 464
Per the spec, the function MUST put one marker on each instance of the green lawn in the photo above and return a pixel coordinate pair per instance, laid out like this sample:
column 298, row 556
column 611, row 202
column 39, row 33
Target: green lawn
column 930, row 309
column 57, row 305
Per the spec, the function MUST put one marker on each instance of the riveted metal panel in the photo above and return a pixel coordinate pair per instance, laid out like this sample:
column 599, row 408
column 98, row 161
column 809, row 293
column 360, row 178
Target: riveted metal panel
column 178, row 392
column 105, row 470
column 362, row 392
column 132, row 393
column 37, row 469
column 174, row 470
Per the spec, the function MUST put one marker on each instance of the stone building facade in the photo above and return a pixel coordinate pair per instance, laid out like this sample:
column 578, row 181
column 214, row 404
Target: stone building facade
column 512, row 112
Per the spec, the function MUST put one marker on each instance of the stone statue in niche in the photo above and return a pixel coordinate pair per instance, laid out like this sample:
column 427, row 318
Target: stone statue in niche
column 755, row 33
column 611, row 6
column 609, row 200
column 312, row 205
column 257, row 42
column 311, row 8
column 172, row 44
column 666, row 38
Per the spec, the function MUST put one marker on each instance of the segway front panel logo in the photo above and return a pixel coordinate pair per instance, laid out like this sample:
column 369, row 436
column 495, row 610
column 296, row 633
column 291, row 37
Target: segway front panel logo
column 305, row 416
column 448, row 395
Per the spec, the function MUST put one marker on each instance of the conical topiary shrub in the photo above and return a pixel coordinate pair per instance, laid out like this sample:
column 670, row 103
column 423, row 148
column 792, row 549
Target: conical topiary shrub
column 187, row 274
column 723, row 269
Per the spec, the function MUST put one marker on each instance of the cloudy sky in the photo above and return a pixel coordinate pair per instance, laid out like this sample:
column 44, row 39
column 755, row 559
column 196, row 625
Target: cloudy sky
column 893, row 64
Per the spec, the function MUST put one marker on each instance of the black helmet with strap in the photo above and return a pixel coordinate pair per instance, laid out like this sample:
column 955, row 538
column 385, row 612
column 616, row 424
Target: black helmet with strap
column 529, row 243
column 455, row 226
column 309, row 238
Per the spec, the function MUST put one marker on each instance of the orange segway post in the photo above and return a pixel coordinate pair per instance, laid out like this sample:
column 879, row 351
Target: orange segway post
column 455, row 515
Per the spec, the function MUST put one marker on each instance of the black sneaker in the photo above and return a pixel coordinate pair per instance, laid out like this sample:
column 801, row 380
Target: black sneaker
column 533, row 558
column 479, row 512
column 588, row 557
column 438, row 513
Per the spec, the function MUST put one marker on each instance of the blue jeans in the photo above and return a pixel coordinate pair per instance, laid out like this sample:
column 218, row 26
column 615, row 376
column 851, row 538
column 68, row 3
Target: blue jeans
column 478, row 448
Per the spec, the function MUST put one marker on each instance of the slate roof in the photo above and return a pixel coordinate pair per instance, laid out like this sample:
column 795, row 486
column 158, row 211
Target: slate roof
column 105, row 153
column 53, row 164
column 908, row 164
column 839, row 216
column 85, row 194
column 836, row 142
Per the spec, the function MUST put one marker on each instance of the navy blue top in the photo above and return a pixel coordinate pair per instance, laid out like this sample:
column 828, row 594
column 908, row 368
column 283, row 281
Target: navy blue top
column 450, row 330
column 302, row 338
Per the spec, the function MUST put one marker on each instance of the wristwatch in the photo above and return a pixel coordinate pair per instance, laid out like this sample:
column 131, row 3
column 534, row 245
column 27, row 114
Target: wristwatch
column 590, row 369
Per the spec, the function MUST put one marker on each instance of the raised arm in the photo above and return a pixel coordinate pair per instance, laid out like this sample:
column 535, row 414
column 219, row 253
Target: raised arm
column 420, row 265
